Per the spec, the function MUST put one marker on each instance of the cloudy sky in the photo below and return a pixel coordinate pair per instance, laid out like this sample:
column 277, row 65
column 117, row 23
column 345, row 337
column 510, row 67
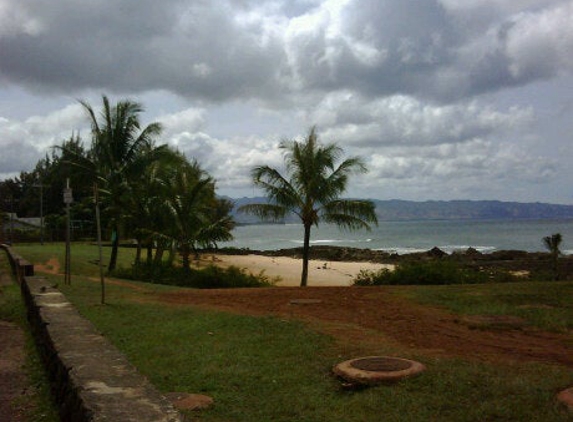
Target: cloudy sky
column 444, row 99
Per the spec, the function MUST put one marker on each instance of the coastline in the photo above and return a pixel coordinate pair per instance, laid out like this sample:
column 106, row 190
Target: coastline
column 321, row 272
column 338, row 266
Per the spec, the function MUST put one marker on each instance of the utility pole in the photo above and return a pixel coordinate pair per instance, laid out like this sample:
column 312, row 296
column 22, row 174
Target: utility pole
column 12, row 220
column 68, row 200
column 39, row 185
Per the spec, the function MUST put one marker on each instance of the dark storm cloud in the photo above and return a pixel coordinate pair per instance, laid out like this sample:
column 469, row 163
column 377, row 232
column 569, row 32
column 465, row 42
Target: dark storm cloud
column 189, row 48
column 425, row 49
column 257, row 49
column 443, row 97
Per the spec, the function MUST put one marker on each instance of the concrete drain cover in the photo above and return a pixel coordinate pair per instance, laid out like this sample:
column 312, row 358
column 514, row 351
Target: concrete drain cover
column 305, row 301
column 494, row 321
column 186, row 401
column 566, row 397
column 376, row 369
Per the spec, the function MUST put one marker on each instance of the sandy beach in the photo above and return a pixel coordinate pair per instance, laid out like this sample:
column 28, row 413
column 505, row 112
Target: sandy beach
column 321, row 272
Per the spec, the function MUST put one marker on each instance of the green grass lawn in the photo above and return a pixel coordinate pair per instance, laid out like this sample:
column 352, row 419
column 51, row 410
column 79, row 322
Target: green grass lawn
column 84, row 256
column 266, row 368
column 545, row 305
column 271, row 369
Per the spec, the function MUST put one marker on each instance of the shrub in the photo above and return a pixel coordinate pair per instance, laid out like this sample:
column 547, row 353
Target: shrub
column 424, row 273
column 210, row 277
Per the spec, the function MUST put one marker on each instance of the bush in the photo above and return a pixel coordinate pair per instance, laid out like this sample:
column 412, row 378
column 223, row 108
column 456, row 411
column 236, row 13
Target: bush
column 210, row 277
column 424, row 273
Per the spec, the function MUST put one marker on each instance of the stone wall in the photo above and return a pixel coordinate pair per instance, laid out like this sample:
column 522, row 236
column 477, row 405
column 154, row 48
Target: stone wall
column 20, row 267
column 91, row 380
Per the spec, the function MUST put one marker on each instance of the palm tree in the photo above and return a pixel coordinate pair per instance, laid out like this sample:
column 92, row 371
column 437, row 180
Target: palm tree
column 120, row 150
column 199, row 217
column 311, row 190
column 552, row 243
column 148, row 211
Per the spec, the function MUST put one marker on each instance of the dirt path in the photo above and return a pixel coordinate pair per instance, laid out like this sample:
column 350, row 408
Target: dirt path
column 371, row 312
column 13, row 382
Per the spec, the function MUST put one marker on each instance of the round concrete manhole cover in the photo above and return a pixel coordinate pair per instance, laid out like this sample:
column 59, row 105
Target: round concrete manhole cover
column 377, row 369
column 379, row 364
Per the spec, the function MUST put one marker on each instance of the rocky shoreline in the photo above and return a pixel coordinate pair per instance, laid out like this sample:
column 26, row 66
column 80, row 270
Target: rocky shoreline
column 534, row 265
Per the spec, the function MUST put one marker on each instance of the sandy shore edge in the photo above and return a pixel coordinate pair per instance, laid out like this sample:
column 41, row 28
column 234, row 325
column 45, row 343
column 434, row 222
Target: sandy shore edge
column 321, row 272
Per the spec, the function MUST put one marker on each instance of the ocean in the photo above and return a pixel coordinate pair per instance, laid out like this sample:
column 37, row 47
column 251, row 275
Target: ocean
column 413, row 236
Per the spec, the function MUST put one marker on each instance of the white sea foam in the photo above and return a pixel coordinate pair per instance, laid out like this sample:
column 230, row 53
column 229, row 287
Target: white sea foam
column 315, row 242
column 331, row 241
column 402, row 251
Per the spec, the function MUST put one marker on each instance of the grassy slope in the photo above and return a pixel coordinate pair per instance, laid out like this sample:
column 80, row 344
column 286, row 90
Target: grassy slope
column 261, row 369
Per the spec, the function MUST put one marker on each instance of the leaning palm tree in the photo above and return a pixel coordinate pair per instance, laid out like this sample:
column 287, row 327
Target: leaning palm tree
column 552, row 243
column 120, row 149
column 311, row 189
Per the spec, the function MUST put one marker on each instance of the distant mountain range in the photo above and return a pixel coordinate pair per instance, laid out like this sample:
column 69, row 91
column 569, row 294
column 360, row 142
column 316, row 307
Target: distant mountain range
column 399, row 210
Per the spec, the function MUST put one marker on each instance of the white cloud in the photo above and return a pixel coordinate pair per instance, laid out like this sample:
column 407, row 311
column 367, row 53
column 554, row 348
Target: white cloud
column 15, row 19
column 188, row 120
column 23, row 143
column 453, row 171
column 401, row 120
column 541, row 44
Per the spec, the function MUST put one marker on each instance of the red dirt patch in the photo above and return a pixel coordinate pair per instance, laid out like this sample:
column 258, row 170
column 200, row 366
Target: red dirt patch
column 362, row 312
column 52, row 266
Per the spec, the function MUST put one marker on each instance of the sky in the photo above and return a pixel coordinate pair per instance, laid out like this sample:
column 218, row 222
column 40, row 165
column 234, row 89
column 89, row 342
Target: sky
column 442, row 99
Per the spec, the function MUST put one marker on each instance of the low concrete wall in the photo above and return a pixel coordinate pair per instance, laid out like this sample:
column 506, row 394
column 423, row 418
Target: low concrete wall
column 20, row 267
column 91, row 380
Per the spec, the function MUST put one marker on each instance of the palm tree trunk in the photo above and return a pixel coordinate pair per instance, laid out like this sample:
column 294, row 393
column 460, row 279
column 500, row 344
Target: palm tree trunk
column 149, row 256
column 556, row 266
column 172, row 251
column 114, row 248
column 158, row 258
column 305, row 255
column 138, row 253
column 185, row 252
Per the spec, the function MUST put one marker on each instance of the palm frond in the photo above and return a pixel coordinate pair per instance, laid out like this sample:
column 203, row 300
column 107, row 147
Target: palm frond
column 277, row 188
column 266, row 212
column 353, row 209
